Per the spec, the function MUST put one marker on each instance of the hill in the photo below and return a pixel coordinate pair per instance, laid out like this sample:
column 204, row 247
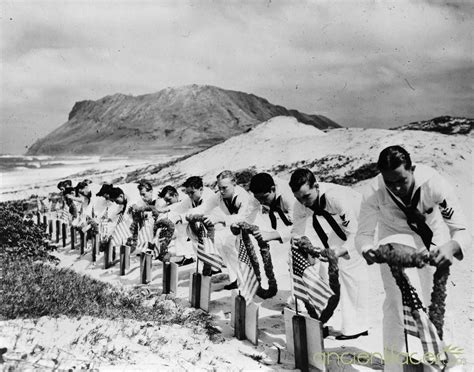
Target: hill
column 442, row 124
column 172, row 118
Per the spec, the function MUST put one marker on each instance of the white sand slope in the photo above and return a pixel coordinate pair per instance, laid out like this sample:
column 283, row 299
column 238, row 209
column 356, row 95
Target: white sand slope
column 283, row 140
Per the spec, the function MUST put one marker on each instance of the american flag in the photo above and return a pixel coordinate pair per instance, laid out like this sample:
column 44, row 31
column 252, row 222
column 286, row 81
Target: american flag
column 416, row 319
column 64, row 215
column 122, row 229
column 307, row 284
column 248, row 283
column 205, row 249
column 145, row 234
column 105, row 228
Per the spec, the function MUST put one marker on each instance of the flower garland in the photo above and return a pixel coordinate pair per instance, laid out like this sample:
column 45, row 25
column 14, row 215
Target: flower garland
column 165, row 235
column 397, row 260
column 196, row 225
column 138, row 219
column 196, row 218
column 94, row 230
column 326, row 254
column 246, row 229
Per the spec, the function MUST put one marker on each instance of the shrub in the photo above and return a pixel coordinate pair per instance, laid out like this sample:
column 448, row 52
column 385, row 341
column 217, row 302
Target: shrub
column 31, row 287
column 22, row 239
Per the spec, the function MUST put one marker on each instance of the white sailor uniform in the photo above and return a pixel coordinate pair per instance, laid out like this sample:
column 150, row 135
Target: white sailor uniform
column 343, row 205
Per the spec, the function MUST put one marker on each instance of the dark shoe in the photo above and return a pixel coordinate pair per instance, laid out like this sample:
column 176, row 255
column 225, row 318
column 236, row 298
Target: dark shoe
column 208, row 271
column 232, row 285
column 350, row 337
column 325, row 331
column 185, row 261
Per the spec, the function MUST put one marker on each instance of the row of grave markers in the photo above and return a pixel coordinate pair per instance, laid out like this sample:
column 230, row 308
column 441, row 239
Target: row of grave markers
column 304, row 335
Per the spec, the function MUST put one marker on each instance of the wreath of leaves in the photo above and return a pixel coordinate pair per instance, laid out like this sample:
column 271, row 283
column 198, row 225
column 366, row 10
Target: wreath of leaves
column 94, row 230
column 247, row 229
column 397, row 259
column 194, row 221
column 199, row 228
column 306, row 248
column 167, row 228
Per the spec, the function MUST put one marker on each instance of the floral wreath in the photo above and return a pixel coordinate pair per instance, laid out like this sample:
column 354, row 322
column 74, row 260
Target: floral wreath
column 246, row 230
column 166, row 227
column 326, row 254
column 398, row 259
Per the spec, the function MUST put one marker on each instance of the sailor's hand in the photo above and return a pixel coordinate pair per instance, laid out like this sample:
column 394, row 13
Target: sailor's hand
column 137, row 208
column 443, row 255
column 342, row 252
column 267, row 236
column 294, row 240
column 211, row 220
column 258, row 234
column 370, row 256
column 175, row 218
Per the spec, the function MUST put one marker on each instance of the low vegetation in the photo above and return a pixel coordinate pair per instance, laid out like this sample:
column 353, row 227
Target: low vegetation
column 337, row 169
column 32, row 286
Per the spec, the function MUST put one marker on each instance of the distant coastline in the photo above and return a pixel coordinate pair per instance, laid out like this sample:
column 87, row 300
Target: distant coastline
column 22, row 174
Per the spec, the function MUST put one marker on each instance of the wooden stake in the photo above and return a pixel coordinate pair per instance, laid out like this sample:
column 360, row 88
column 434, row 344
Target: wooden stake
column 124, row 259
column 239, row 320
column 58, row 230
column 64, row 234
column 146, row 268
column 300, row 343
column 196, row 290
column 166, row 277
column 95, row 246
column 82, row 239
column 73, row 237
column 50, row 223
column 109, row 254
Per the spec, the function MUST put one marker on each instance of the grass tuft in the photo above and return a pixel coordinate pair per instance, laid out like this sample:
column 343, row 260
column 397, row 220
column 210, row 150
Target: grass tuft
column 31, row 286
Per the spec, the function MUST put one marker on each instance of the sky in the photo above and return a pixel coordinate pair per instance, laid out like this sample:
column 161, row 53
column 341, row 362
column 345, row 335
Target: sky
column 360, row 63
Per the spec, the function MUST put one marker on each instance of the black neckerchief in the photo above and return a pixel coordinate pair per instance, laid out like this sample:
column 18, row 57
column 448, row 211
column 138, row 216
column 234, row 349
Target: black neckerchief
column 231, row 207
column 415, row 219
column 319, row 210
column 276, row 207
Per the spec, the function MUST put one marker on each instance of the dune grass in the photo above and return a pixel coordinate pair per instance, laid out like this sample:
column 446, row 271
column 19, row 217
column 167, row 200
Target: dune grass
column 32, row 286
column 34, row 289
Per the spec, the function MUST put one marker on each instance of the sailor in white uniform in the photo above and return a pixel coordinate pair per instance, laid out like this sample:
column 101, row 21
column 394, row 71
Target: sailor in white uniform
column 334, row 211
column 196, row 195
column 230, row 205
column 276, row 198
column 411, row 200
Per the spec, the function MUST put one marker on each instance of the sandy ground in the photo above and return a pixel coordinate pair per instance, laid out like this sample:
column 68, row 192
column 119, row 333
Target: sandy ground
column 130, row 344
column 267, row 147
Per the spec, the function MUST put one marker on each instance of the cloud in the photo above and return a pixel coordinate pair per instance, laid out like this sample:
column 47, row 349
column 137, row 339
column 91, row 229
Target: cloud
column 350, row 61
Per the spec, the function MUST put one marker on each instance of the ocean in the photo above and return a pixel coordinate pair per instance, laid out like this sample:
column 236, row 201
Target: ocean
column 20, row 175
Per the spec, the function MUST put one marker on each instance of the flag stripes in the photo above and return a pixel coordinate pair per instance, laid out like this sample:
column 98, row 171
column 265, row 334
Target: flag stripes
column 203, row 250
column 248, row 283
column 64, row 215
column 308, row 285
column 415, row 318
column 145, row 234
column 122, row 231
